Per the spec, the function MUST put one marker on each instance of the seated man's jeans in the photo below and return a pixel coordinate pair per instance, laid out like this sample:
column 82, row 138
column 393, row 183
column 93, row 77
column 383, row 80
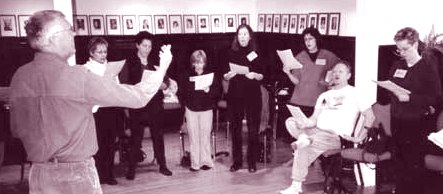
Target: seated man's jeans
column 64, row 178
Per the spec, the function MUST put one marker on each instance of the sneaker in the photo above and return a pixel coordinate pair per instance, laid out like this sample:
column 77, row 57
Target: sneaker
column 295, row 188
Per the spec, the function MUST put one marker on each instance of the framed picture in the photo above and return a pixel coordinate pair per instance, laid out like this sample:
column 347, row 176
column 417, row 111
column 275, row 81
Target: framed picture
column 175, row 24
column 243, row 19
column 81, row 25
column 276, row 25
column 284, row 28
column 230, row 23
column 293, row 23
column 8, row 25
column 129, row 25
column 216, row 23
column 145, row 23
column 113, row 26
column 160, row 22
column 261, row 23
column 22, row 21
column 97, row 25
column 312, row 19
column 203, row 24
column 302, row 23
column 334, row 24
column 189, row 21
column 268, row 23
column 323, row 23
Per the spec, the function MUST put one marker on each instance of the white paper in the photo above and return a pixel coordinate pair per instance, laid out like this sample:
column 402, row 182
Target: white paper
column 113, row 68
column 328, row 77
column 288, row 59
column 239, row 69
column 202, row 81
column 437, row 138
column 391, row 86
column 298, row 114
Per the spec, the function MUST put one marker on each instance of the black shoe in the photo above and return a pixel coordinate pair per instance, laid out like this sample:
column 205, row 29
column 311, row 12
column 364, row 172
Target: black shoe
column 204, row 167
column 252, row 168
column 193, row 169
column 165, row 171
column 130, row 175
column 235, row 167
column 111, row 181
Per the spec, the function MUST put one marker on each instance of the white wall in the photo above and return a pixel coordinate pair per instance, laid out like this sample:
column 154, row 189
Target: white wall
column 24, row 7
column 347, row 8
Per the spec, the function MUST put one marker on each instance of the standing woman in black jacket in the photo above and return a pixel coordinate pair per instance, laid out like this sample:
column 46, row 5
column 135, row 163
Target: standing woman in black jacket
column 199, row 103
column 244, row 96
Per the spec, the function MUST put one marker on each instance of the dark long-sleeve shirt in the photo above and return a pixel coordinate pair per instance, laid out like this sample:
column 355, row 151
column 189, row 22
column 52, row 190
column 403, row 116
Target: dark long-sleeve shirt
column 51, row 105
column 423, row 81
column 198, row 100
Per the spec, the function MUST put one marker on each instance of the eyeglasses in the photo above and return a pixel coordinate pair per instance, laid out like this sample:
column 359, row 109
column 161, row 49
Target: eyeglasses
column 70, row 30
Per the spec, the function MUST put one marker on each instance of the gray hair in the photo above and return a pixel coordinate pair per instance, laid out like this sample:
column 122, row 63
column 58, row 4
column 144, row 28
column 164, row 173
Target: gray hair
column 37, row 26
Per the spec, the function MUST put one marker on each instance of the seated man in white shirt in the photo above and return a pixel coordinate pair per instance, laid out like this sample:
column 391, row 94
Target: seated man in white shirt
column 335, row 114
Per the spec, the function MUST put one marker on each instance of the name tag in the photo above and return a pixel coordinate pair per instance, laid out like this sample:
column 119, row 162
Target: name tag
column 320, row 62
column 400, row 73
column 252, row 55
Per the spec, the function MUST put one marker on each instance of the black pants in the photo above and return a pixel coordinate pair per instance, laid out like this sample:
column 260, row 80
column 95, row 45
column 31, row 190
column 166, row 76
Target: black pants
column 152, row 117
column 238, row 108
column 109, row 123
column 409, row 137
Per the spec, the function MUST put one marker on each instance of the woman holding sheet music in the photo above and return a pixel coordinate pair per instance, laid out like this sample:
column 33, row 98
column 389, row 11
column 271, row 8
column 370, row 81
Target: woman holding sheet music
column 310, row 80
column 108, row 120
column 244, row 95
column 199, row 91
column 412, row 115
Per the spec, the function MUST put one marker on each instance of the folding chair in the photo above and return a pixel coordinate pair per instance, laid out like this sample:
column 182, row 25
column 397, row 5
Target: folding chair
column 222, row 105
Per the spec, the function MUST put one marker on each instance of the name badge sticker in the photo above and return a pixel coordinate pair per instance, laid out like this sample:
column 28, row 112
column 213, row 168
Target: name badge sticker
column 400, row 73
column 252, row 55
column 320, row 62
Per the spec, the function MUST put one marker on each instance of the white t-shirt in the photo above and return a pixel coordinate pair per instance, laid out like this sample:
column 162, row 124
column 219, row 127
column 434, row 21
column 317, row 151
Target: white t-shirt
column 339, row 110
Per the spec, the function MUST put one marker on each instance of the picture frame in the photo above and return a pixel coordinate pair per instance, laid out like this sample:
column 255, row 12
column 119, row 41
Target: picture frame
column 312, row 19
column 145, row 23
column 293, row 21
column 97, row 24
column 8, row 26
column 22, row 21
column 323, row 23
column 217, row 23
column 243, row 19
column 203, row 25
column 230, row 23
column 268, row 23
column 261, row 23
column 130, row 26
column 189, row 24
column 276, row 24
column 302, row 23
column 113, row 25
column 334, row 24
column 175, row 24
column 284, row 26
column 160, row 24
column 81, row 25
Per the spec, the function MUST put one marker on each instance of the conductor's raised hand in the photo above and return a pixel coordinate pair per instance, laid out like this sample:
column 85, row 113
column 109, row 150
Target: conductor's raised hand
column 165, row 56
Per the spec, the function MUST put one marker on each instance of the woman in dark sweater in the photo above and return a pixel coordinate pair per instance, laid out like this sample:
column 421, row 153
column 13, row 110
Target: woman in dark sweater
column 244, row 95
column 412, row 114
column 199, row 100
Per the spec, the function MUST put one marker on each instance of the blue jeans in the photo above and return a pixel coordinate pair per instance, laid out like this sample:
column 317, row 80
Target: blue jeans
column 64, row 178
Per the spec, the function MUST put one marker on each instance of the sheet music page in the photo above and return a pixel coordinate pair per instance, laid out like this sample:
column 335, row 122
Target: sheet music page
column 437, row 138
column 202, row 81
column 298, row 114
column 391, row 86
column 239, row 69
column 288, row 59
column 113, row 68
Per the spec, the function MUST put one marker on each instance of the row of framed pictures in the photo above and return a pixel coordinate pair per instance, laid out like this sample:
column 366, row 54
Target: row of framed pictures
column 8, row 25
column 326, row 23
column 157, row 24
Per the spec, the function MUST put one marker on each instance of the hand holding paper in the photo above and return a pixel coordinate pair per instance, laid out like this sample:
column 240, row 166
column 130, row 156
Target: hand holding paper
column 113, row 68
column 391, row 86
column 288, row 59
column 202, row 82
column 238, row 69
column 301, row 120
